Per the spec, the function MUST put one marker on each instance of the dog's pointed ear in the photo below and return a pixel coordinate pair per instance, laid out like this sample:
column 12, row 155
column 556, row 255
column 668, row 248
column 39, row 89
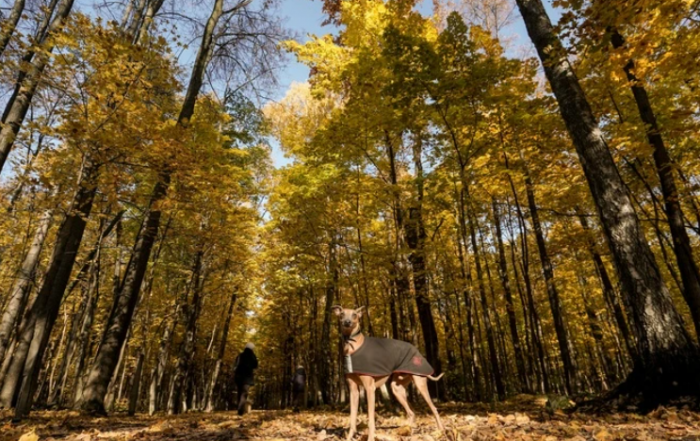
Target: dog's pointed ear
column 337, row 310
column 360, row 310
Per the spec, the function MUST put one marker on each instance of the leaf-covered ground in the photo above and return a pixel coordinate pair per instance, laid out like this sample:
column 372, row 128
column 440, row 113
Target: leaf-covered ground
column 523, row 419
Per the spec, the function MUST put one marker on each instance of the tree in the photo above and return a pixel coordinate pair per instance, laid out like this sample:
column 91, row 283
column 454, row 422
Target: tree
column 664, row 361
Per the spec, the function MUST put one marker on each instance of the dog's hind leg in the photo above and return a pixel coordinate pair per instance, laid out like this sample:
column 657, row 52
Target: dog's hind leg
column 422, row 386
column 398, row 386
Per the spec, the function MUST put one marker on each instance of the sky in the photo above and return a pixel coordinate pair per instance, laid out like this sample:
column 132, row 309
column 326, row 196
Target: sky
column 304, row 17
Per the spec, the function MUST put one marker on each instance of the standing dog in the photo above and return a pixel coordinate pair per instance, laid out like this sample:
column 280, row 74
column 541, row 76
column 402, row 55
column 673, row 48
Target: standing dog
column 370, row 362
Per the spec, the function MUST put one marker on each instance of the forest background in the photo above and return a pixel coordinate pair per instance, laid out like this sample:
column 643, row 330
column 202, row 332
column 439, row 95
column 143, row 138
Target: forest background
column 531, row 223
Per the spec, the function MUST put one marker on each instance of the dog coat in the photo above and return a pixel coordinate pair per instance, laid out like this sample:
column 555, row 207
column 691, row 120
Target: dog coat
column 383, row 356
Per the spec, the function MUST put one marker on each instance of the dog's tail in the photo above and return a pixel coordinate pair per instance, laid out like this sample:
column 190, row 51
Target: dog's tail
column 436, row 378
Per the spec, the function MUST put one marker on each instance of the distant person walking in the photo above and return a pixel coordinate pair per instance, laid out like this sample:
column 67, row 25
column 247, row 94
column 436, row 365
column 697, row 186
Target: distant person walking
column 298, row 386
column 243, row 375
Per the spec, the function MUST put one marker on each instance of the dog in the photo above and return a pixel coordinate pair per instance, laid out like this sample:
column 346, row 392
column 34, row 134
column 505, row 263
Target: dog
column 371, row 362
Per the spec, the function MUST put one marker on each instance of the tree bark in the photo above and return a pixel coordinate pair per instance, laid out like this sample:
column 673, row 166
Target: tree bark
column 10, row 24
column 666, row 362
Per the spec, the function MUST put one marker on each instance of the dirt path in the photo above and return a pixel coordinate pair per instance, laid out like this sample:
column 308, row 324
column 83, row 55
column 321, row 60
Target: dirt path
column 507, row 422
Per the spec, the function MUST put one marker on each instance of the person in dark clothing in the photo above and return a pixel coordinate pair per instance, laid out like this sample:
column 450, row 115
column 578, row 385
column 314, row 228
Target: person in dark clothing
column 298, row 386
column 246, row 363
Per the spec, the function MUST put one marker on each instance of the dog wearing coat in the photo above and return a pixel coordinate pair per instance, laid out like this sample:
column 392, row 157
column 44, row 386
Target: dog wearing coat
column 370, row 362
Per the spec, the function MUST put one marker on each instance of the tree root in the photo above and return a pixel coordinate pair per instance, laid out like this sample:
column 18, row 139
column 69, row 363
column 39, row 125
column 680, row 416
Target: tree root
column 637, row 394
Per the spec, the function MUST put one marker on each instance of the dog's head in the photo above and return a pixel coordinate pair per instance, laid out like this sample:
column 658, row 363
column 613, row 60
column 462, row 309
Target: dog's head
column 349, row 318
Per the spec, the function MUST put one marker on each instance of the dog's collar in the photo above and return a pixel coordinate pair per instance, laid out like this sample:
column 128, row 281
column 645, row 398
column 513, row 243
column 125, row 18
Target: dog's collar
column 352, row 336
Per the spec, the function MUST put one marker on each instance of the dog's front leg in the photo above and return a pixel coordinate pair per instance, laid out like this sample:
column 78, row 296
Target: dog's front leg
column 354, row 404
column 370, row 391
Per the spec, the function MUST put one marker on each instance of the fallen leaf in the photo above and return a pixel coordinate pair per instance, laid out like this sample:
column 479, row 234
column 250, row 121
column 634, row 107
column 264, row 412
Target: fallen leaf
column 29, row 436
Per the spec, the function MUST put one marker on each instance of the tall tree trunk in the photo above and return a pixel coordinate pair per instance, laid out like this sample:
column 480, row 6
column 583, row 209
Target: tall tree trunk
column 19, row 103
column 8, row 26
column 414, row 232
column 136, row 384
column 508, row 295
column 552, row 292
column 83, row 341
column 187, row 351
column 324, row 360
column 19, row 295
column 155, row 388
column 221, row 353
column 666, row 363
column 363, row 267
column 687, row 266
column 125, row 302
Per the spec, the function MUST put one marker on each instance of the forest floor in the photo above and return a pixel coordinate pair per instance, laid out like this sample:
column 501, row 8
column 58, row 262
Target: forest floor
column 524, row 418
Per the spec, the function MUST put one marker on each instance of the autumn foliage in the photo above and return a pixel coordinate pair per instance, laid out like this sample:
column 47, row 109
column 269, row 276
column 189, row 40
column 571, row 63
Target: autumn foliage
column 530, row 222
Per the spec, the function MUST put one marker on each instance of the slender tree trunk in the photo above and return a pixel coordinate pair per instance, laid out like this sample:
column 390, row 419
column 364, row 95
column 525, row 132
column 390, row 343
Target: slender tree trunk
column 19, row 295
column 510, row 307
column 666, row 362
column 136, row 385
column 154, row 391
column 221, row 353
column 8, row 26
column 363, row 270
column 552, row 293
column 324, row 360
column 83, row 341
column 19, row 103
column 125, row 302
column 687, row 266
column 188, row 348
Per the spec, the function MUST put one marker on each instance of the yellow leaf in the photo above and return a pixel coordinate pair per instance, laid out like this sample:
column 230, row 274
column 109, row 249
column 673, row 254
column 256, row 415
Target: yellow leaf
column 29, row 436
